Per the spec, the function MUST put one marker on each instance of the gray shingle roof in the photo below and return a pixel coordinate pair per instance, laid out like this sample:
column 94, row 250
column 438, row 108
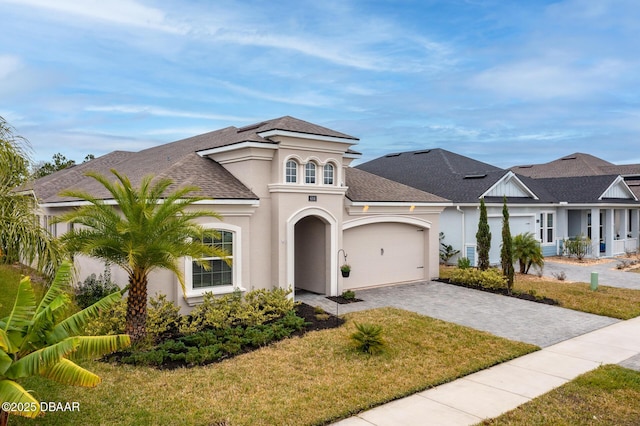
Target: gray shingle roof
column 438, row 171
column 367, row 187
column 576, row 164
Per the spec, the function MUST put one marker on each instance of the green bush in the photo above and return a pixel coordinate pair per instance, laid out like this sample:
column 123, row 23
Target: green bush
column 257, row 307
column 109, row 321
column 348, row 295
column 490, row 279
column 163, row 318
column 578, row 246
column 368, row 338
column 93, row 289
column 464, row 263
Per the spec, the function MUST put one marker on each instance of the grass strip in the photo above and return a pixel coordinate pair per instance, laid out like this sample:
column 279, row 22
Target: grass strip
column 608, row 395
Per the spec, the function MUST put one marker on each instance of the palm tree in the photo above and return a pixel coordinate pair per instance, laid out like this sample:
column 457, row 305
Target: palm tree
column 152, row 230
column 527, row 251
column 37, row 339
column 22, row 238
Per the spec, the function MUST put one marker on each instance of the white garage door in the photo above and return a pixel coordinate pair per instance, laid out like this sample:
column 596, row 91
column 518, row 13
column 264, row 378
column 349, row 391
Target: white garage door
column 517, row 225
column 384, row 253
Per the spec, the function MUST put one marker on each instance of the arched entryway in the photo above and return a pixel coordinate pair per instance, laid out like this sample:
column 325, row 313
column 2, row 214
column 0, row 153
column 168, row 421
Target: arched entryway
column 312, row 238
column 310, row 259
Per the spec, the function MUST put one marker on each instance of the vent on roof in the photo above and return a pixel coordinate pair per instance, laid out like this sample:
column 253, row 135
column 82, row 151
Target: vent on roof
column 397, row 154
column 569, row 158
column 250, row 127
column 478, row 176
column 426, row 151
column 528, row 166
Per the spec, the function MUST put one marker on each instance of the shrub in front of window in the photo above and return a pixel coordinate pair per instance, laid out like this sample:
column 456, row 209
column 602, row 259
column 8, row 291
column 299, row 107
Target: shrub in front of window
column 95, row 288
column 464, row 263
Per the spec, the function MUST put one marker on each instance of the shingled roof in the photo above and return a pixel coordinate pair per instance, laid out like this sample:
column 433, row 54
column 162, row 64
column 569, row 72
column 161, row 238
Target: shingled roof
column 438, row 171
column 367, row 187
column 576, row 164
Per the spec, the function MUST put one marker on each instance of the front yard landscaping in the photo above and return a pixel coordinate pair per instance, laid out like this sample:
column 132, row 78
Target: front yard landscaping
column 613, row 302
column 312, row 379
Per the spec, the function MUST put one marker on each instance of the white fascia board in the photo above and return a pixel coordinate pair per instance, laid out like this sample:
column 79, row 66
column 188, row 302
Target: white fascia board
column 352, row 156
column 618, row 180
column 510, row 175
column 113, row 203
column 270, row 133
column 399, row 204
column 235, row 146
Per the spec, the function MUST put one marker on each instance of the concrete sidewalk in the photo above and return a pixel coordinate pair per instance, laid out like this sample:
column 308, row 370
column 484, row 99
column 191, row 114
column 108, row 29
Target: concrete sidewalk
column 491, row 392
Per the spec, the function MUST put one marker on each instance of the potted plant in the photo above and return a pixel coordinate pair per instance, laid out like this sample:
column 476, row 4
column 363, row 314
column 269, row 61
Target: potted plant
column 346, row 270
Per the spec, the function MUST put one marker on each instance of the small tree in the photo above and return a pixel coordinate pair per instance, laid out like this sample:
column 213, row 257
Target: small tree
column 446, row 250
column 506, row 251
column 527, row 251
column 483, row 238
column 578, row 247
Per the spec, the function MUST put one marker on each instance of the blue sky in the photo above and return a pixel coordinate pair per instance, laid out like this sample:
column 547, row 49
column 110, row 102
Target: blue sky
column 506, row 82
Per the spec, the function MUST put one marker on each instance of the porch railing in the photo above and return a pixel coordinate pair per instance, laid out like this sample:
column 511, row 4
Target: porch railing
column 618, row 247
column 631, row 245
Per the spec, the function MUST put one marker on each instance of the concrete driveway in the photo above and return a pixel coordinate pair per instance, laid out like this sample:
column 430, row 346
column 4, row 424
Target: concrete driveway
column 508, row 317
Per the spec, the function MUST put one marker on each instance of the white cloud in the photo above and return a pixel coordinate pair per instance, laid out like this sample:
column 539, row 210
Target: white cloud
column 8, row 65
column 119, row 12
column 164, row 112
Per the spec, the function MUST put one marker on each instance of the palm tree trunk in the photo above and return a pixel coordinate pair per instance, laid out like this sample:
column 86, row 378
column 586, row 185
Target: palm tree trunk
column 4, row 417
column 136, row 326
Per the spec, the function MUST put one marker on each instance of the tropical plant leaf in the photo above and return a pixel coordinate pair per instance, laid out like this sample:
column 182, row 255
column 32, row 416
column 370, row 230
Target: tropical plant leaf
column 5, row 362
column 24, row 306
column 5, row 343
column 11, row 391
column 69, row 373
column 95, row 346
column 74, row 325
column 38, row 361
column 59, row 285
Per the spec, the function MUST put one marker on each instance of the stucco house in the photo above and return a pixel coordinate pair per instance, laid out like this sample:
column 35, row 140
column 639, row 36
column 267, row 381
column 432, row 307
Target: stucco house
column 293, row 210
column 554, row 208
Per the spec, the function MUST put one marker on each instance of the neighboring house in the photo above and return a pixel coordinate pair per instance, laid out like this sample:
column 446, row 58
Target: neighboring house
column 292, row 208
column 554, row 209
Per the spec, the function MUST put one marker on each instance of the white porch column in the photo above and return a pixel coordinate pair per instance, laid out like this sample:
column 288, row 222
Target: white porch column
column 635, row 224
column 609, row 231
column 595, row 232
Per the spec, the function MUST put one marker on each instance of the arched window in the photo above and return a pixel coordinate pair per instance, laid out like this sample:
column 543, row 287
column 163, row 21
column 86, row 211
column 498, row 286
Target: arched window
column 310, row 173
column 291, row 173
column 328, row 174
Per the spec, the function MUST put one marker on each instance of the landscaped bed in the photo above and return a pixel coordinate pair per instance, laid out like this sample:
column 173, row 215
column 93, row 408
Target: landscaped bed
column 312, row 379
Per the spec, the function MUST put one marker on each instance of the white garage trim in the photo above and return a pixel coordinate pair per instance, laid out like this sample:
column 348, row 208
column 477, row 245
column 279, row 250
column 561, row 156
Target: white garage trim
column 381, row 219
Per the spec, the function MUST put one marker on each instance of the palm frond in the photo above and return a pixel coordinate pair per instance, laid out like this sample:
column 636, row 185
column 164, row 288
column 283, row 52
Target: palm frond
column 69, row 373
column 38, row 361
column 11, row 391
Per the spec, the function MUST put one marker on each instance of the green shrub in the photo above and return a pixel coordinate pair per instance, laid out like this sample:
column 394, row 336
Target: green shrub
column 368, row 338
column 109, row 321
column 348, row 295
column 578, row 246
column 464, row 263
column 93, row 289
column 257, row 307
column 490, row 279
column 163, row 318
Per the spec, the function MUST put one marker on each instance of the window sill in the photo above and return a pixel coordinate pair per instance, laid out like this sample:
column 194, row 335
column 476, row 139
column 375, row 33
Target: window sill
column 196, row 297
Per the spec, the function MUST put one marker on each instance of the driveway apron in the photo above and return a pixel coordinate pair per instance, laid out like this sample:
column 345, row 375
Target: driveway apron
column 508, row 317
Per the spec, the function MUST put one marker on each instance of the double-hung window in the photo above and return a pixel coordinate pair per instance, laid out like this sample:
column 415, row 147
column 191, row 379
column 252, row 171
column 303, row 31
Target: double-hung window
column 310, row 173
column 328, row 174
column 291, row 172
column 220, row 273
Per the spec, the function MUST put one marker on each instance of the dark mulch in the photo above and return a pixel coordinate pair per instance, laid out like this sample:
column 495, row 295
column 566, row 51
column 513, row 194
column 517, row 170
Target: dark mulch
column 505, row 292
column 316, row 322
column 341, row 300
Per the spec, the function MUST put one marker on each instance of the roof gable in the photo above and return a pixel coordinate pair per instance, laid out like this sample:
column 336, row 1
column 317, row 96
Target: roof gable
column 511, row 187
column 618, row 190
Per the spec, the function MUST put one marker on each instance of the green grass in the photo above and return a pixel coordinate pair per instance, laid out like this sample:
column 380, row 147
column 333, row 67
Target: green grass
column 608, row 395
column 309, row 380
column 621, row 303
column 9, row 280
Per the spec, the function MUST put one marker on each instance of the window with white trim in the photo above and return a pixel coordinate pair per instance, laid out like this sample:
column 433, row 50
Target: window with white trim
column 328, row 172
column 547, row 228
column 310, row 173
column 220, row 273
column 291, row 172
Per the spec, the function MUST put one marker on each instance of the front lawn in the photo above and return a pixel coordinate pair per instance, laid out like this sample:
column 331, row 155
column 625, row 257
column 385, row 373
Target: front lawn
column 612, row 302
column 608, row 395
column 312, row 379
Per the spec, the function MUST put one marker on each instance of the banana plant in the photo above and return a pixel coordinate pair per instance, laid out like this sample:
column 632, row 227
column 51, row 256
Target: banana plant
column 44, row 339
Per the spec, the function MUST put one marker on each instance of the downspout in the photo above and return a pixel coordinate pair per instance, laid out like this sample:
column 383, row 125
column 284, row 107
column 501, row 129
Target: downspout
column 462, row 249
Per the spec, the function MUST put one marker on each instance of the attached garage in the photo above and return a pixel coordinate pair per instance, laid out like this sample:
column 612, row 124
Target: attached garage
column 385, row 253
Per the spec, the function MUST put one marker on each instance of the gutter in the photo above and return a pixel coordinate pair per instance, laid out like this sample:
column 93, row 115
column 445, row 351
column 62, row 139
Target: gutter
column 462, row 249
